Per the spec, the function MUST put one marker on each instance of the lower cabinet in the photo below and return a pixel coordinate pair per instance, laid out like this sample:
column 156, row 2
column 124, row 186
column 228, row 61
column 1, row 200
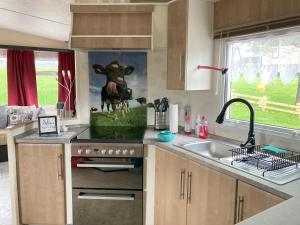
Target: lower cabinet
column 211, row 196
column 251, row 201
column 187, row 193
column 170, row 188
column 41, row 185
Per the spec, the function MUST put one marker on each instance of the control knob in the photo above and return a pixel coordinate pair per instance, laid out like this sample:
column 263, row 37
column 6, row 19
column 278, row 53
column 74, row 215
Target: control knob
column 88, row 151
column 131, row 152
column 118, row 151
column 125, row 152
column 103, row 151
column 110, row 151
column 79, row 151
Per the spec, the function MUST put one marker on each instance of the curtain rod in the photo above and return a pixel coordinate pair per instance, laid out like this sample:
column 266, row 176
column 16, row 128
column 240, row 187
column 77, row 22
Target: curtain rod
column 35, row 48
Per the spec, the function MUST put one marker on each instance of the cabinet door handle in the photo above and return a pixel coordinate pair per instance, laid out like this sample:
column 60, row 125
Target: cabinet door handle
column 182, row 183
column 180, row 67
column 60, row 166
column 189, row 191
column 240, row 209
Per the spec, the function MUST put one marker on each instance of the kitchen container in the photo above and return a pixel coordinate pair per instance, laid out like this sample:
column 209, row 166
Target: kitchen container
column 3, row 116
column 165, row 136
column 160, row 120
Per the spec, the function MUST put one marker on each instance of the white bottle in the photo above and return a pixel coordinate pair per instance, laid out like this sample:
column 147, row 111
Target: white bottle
column 197, row 125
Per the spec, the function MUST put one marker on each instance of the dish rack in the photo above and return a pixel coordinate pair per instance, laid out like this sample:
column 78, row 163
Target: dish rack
column 265, row 160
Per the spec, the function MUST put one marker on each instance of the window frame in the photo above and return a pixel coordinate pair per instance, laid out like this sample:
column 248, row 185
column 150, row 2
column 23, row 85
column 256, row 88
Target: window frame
column 225, row 47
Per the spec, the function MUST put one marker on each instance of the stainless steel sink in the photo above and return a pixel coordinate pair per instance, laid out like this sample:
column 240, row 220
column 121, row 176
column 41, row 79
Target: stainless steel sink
column 210, row 149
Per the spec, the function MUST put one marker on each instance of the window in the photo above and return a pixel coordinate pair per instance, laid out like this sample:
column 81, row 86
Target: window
column 46, row 65
column 3, row 78
column 265, row 71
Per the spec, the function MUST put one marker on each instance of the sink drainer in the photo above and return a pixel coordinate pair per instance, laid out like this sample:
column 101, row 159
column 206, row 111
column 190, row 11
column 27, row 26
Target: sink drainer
column 264, row 160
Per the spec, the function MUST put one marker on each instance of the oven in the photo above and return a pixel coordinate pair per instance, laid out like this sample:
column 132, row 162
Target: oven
column 107, row 184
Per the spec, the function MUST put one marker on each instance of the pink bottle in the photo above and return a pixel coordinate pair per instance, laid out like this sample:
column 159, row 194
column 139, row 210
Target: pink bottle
column 187, row 121
column 203, row 129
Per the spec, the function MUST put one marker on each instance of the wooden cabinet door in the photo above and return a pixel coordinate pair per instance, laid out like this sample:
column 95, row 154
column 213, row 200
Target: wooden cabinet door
column 251, row 201
column 177, row 38
column 211, row 197
column 41, row 183
column 3, row 139
column 170, row 189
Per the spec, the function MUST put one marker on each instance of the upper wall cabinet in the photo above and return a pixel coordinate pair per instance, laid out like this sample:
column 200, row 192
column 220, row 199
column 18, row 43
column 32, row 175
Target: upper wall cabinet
column 112, row 26
column 190, row 43
column 231, row 14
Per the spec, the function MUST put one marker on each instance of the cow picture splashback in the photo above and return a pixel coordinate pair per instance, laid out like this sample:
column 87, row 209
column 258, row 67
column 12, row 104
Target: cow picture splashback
column 118, row 83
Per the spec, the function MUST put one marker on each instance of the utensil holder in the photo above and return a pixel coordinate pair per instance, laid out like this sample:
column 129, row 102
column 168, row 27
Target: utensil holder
column 160, row 121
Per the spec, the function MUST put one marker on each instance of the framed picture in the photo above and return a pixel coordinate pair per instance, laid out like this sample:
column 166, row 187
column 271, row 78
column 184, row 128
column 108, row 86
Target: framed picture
column 47, row 125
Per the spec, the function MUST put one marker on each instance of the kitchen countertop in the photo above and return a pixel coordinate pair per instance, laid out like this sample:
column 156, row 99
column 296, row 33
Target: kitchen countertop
column 32, row 137
column 286, row 213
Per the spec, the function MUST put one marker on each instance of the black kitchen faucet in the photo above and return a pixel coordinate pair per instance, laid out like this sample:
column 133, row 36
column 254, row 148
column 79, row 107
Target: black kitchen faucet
column 250, row 143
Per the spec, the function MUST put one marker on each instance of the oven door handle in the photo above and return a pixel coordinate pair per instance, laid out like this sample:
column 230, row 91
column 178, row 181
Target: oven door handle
column 111, row 197
column 111, row 166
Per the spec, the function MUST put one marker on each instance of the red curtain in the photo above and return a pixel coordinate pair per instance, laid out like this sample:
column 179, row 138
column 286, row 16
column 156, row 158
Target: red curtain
column 66, row 63
column 21, row 78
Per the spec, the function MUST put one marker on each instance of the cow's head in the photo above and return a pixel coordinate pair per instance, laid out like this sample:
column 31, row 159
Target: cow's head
column 115, row 74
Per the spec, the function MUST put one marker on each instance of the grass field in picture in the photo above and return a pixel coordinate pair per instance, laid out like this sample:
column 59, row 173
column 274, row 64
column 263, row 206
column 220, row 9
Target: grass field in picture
column 135, row 117
column 275, row 91
column 47, row 88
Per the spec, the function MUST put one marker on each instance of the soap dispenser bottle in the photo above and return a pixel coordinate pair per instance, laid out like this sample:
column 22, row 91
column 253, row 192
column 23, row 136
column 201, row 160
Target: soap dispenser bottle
column 187, row 120
column 197, row 125
column 203, row 130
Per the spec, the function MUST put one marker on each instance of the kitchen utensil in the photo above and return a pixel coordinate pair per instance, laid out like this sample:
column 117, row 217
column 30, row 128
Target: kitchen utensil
column 165, row 104
column 150, row 105
column 156, row 104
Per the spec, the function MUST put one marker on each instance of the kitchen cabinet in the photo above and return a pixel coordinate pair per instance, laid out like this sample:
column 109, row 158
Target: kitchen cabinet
column 211, row 199
column 112, row 26
column 3, row 139
column 251, row 201
column 190, row 44
column 233, row 14
column 188, row 193
column 170, row 188
column 41, row 184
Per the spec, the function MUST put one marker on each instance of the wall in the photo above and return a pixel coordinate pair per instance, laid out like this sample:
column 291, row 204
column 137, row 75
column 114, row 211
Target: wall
column 10, row 37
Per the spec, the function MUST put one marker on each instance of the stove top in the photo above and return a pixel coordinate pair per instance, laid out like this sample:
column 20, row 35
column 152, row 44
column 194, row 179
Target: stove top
column 111, row 134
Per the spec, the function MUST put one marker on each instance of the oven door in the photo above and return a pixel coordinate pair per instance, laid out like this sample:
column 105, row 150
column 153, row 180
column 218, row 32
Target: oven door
column 107, row 207
column 107, row 173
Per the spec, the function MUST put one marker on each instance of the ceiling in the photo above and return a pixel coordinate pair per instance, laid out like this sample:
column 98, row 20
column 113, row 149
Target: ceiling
column 46, row 18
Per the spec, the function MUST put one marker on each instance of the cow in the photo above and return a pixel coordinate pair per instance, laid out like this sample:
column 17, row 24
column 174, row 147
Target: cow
column 115, row 93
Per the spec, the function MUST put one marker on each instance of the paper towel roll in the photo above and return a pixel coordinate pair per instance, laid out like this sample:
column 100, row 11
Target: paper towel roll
column 173, row 118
